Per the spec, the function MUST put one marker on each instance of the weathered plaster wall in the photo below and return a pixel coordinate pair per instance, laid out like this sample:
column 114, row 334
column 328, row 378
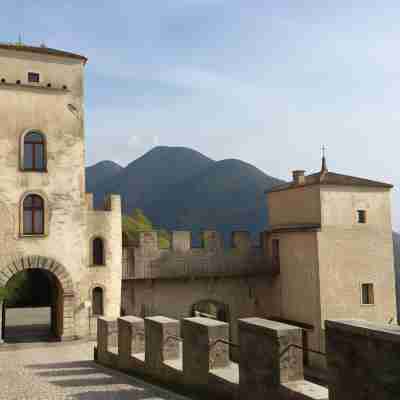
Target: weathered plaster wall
column 295, row 206
column 28, row 106
column 351, row 253
column 106, row 225
column 175, row 297
column 299, row 280
column 339, row 205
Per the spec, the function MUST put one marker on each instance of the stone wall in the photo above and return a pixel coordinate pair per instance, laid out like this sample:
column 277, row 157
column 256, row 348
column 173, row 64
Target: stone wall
column 54, row 107
column 175, row 298
column 145, row 260
column 199, row 360
column 171, row 281
column 363, row 359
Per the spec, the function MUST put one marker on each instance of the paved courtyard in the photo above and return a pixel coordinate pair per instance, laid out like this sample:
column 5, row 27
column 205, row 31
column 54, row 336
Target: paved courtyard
column 66, row 371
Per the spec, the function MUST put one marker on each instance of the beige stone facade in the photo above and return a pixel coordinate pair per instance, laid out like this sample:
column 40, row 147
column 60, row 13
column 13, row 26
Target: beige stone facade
column 54, row 107
column 327, row 252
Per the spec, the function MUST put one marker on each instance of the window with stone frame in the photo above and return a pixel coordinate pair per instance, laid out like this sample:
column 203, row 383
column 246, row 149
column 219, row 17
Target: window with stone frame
column 33, row 215
column 367, row 294
column 361, row 216
column 34, row 152
column 33, row 77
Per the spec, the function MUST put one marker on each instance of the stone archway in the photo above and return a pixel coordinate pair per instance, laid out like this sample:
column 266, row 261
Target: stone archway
column 211, row 309
column 63, row 307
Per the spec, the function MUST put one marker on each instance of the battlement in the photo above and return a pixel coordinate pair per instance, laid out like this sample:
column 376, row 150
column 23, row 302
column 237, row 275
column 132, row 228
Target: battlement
column 210, row 240
column 145, row 260
column 112, row 202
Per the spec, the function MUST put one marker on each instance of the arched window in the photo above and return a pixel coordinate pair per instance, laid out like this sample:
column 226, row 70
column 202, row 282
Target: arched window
column 34, row 152
column 33, row 215
column 97, row 301
column 98, row 251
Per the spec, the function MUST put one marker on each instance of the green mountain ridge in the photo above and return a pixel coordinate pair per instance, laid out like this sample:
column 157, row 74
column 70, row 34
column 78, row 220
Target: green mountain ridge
column 180, row 188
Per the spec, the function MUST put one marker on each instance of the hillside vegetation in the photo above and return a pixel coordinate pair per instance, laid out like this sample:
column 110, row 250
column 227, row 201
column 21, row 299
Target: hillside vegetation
column 138, row 222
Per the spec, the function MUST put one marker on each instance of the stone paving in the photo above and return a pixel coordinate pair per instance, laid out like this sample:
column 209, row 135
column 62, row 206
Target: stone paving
column 53, row 371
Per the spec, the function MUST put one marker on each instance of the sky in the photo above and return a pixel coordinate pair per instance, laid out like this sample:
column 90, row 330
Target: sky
column 267, row 82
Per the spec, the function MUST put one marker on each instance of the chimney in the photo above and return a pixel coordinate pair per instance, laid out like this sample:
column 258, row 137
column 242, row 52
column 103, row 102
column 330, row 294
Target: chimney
column 299, row 177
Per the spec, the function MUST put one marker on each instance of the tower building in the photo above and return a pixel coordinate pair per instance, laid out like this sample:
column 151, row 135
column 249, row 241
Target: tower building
column 47, row 221
column 332, row 237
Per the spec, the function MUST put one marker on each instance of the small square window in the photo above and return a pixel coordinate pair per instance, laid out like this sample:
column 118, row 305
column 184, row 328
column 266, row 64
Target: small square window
column 33, row 77
column 361, row 216
column 367, row 293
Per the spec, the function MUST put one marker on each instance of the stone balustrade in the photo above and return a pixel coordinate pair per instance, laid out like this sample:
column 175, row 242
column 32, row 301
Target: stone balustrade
column 199, row 361
column 363, row 358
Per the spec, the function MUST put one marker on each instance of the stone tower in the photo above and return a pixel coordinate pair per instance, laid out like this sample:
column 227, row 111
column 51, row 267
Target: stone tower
column 47, row 220
column 331, row 235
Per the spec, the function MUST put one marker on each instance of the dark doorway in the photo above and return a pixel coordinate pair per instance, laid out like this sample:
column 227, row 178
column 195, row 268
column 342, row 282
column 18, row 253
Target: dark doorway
column 211, row 309
column 33, row 308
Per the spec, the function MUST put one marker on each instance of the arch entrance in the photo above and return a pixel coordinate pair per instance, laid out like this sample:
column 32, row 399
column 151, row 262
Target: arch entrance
column 40, row 304
column 211, row 309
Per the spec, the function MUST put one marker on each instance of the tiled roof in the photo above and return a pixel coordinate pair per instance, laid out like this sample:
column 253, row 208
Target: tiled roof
column 331, row 178
column 41, row 50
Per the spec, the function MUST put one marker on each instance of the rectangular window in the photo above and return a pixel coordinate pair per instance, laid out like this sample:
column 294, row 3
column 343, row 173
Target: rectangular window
column 33, row 77
column 361, row 216
column 276, row 259
column 367, row 293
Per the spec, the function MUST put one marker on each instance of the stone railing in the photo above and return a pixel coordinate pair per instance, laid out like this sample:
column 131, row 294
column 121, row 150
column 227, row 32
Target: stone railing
column 199, row 361
column 363, row 359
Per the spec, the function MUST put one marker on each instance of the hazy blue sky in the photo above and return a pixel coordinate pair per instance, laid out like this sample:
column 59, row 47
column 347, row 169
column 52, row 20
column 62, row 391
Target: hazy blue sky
column 268, row 82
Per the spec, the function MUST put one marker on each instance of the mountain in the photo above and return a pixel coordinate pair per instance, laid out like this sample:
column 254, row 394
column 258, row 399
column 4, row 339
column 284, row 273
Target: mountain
column 180, row 188
column 144, row 179
column 99, row 173
column 228, row 195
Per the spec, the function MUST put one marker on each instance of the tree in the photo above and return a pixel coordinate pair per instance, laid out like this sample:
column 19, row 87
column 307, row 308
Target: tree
column 138, row 222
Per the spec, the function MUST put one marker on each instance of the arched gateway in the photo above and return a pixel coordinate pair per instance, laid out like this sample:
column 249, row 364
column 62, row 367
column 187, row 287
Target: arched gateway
column 63, row 297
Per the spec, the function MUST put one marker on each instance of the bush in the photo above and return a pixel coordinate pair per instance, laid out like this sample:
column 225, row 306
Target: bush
column 138, row 222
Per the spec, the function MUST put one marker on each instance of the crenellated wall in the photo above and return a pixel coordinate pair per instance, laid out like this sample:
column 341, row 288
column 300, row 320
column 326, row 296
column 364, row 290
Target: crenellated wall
column 172, row 281
column 145, row 260
column 198, row 361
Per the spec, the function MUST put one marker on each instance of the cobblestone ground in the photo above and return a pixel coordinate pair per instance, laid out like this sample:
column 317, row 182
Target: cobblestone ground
column 66, row 371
